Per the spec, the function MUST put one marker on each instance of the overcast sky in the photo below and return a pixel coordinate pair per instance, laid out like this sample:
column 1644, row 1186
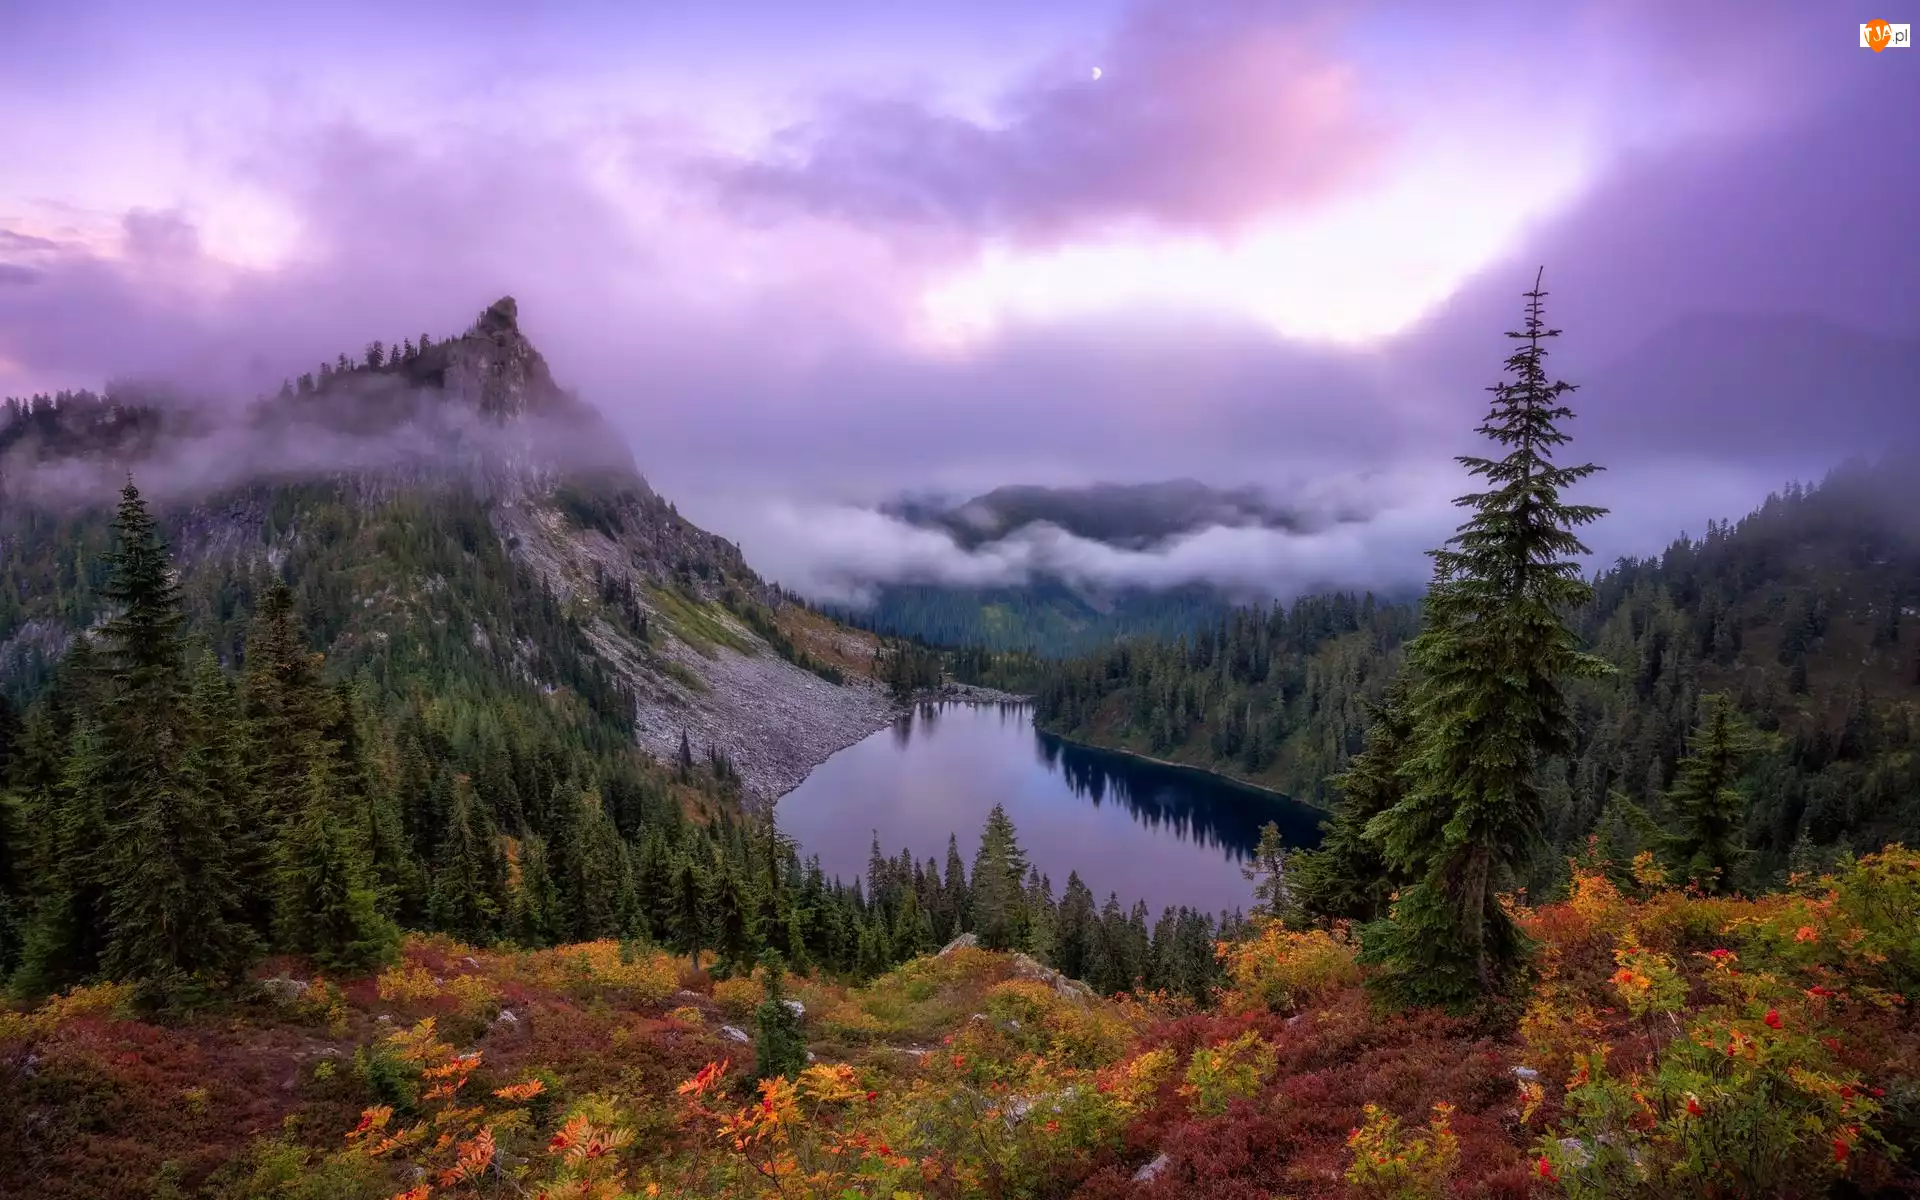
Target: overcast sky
column 808, row 252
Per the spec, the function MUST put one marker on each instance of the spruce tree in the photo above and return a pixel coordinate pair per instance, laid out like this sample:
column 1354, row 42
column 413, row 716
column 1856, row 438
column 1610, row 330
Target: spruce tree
column 326, row 905
column 172, row 898
column 727, row 913
column 1706, row 847
column 1346, row 878
column 955, row 901
column 1042, row 914
column 66, row 927
column 998, row 895
column 1074, row 932
column 469, row 896
column 689, row 908
column 1487, row 699
column 779, row 1047
column 1273, row 898
column 536, row 902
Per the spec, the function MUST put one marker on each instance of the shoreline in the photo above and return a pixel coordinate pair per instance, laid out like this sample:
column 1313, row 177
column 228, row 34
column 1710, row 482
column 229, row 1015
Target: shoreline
column 1180, row 766
column 946, row 693
column 966, row 693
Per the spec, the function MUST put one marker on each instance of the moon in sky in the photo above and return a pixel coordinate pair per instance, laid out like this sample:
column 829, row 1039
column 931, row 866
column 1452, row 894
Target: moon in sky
column 1096, row 72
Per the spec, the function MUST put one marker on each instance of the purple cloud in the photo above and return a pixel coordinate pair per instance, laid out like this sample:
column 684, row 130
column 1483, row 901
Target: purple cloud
column 1208, row 116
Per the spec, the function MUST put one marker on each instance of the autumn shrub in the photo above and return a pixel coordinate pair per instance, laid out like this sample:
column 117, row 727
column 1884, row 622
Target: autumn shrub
column 1749, row 1100
column 408, row 984
column 1040, row 1020
column 1879, row 896
column 924, row 996
column 1280, row 969
column 459, row 1142
column 286, row 1170
column 605, row 969
column 1390, row 1164
column 98, row 999
column 849, row 1021
column 738, row 996
column 1018, row 1124
column 1220, row 1074
column 474, row 996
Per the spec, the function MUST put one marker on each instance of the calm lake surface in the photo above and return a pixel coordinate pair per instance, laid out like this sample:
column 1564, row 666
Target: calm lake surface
column 1147, row 832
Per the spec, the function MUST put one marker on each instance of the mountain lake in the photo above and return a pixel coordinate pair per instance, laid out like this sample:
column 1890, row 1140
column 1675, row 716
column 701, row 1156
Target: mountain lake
column 1145, row 831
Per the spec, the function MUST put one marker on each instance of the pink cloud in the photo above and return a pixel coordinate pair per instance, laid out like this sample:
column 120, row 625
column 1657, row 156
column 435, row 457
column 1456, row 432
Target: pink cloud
column 1208, row 116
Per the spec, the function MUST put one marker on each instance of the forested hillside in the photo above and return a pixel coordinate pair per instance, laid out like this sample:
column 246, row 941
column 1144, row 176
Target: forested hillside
column 446, row 502
column 1046, row 618
column 1805, row 613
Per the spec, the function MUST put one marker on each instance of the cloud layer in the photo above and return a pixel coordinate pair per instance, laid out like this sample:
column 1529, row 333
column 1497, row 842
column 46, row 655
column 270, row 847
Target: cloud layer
column 744, row 295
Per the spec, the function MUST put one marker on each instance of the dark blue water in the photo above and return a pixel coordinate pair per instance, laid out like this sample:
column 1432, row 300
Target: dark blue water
column 1148, row 832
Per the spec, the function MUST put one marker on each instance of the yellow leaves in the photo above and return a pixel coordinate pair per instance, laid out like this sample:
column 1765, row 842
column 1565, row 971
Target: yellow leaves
column 831, row 1084
column 407, row 984
column 98, row 999
column 1228, row 1071
column 1647, row 871
column 1647, row 981
column 738, row 997
column 1279, row 968
column 1532, row 1095
column 645, row 976
column 474, row 995
column 520, row 1092
column 1388, row 1163
column 1594, row 896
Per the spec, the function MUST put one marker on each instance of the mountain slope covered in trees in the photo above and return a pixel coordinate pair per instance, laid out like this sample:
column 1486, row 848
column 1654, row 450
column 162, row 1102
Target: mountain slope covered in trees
column 1044, row 617
column 448, row 502
column 1805, row 614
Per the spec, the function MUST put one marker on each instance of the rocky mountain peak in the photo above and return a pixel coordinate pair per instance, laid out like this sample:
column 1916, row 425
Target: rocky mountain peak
column 494, row 369
column 501, row 318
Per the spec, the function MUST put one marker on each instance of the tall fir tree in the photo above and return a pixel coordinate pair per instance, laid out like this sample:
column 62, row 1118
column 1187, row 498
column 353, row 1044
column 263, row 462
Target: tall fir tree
column 326, row 905
column 1273, row 894
column 173, row 901
column 998, row 894
column 1706, row 846
column 689, row 908
column 282, row 701
column 955, row 901
column 65, row 933
column 1075, row 929
column 469, row 896
column 536, row 901
column 779, row 1046
column 727, row 913
column 1488, row 699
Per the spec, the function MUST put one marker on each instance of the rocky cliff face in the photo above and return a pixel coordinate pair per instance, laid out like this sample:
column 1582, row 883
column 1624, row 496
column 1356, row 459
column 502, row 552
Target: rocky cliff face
column 705, row 648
